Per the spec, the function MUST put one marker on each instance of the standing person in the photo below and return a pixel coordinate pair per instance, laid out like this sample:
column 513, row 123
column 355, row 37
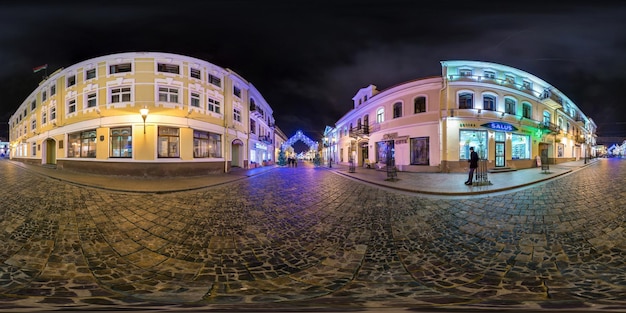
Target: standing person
column 473, row 164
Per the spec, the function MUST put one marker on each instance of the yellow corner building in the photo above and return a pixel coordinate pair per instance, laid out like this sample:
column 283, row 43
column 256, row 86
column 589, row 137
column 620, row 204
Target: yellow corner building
column 146, row 114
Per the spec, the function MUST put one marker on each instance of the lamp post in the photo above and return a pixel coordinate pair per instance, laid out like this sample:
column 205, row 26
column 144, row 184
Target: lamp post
column 144, row 114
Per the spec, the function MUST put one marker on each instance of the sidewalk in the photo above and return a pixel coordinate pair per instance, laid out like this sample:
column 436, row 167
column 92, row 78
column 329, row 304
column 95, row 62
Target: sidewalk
column 449, row 184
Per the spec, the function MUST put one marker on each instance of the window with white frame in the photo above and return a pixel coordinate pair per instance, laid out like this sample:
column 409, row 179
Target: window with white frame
column 527, row 110
column 71, row 106
column 465, row 72
column 120, row 68
column 33, row 124
column 397, row 109
column 546, row 118
column 53, row 90
column 44, row 96
column 509, row 105
column 195, row 73
column 195, row 99
column 419, row 105
column 71, row 80
column 33, row 105
column 214, row 80
column 489, row 102
column 121, row 142
column 44, row 117
column 53, row 113
column 213, row 105
column 168, row 68
column 489, row 74
column 510, row 79
column 90, row 74
column 466, row 100
column 237, row 91
column 252, row 126
column 92, row 100
column 380, row 115
column 237, row 114
column 206, row 144
column 82, row 144
column 527, row 85
column 168, row 142
column 120, row 94
column 168, row 94
column 34, row 148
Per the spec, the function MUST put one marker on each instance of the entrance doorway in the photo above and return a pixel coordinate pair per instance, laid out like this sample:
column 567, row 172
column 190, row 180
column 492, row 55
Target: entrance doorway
column 500, row 154
column 49, row 152
column 236, row 150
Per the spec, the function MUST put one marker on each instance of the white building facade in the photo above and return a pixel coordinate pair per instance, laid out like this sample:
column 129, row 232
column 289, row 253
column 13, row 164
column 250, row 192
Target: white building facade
column 509, row 116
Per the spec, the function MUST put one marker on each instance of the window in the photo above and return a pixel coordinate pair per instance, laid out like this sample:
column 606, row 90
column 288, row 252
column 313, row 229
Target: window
column 195, row 99
column 167, row 94
column 215, row 80
column 43, row 96
column 510, row 79
column 44, row 117
column 419, row 105
column 472, row 138
column 237, row 115
column 420, row 151
column 466, row 100
column 527, row 85
column 71, row 106
column 465, row 73
column 559, row 122
column 397, row 110
column 490, row 75
column 509, row 106
column 34, row 148
column 53, row 90
column 489, row 102
column 206, row 145
column 90, row 74
column 168, row 68
column 33, row 105
column 33, row 124
column 252, row 126
column 520, row 145
column 195, row 73
column 82, row 144
column 91, row 100
column 546, row 118
column 121, row 94
column 120, row 68
column 214, row 105
column 380, row 115
column 121, row 143
column 53, row 113
column 71, row 80
column 527, row 110
column 366, row 122
column 168, row 142
column 237, row 91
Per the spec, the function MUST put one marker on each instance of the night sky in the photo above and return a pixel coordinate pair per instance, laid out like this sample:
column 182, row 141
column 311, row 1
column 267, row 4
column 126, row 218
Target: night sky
column 309, row 58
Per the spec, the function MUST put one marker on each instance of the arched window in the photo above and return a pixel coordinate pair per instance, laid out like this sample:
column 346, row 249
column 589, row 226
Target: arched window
column 509, row 106
column 489, row 102
column 397, row 110
column 380, row 115
column 560, row 123
column 419, row 105
column 546, row 118
column 527, row 110
column 466, row 100
column 366, row 124
column 358, row 124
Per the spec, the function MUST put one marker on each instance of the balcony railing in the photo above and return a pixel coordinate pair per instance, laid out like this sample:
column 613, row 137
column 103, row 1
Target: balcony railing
column 357, row 132
column 553, row 128
column 501, row 82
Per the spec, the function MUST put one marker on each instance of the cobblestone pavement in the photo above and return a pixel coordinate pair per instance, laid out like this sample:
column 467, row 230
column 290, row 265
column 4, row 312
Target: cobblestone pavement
column 311, row 239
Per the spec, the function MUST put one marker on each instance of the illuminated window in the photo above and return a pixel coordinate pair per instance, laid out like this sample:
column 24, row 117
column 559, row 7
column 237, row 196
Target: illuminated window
column 397, row 110
column 380, row 115
column 121, row 143
column 520, row 145
column 168, row 143
column 206, row 145
column 472, row 138
column 82, row 144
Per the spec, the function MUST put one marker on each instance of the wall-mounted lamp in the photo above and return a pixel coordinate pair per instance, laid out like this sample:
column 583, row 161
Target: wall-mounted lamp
column 144, row 114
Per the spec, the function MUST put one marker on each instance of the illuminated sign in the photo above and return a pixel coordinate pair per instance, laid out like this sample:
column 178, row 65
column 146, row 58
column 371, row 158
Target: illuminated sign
column 500, row 126
column 261, row 146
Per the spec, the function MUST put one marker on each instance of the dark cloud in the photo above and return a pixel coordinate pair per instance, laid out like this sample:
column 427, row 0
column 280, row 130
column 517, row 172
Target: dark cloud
column 308, row 58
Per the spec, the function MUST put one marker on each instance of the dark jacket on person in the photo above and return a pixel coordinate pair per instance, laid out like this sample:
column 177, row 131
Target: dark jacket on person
column 473, row 161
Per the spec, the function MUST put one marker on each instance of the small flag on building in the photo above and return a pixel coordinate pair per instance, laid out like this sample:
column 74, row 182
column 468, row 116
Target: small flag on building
column 39, row 68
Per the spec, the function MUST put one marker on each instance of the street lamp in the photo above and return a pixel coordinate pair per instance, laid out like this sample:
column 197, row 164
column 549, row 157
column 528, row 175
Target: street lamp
column 144, row 114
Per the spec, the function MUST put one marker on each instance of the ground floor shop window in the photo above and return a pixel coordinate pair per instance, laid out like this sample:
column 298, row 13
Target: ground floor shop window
column 420, row 151
column 82, row 144
column 206, row 145
column 520, row 147
column 472, row 138
column 168, row 142
column 121, row 143
column 385, row 152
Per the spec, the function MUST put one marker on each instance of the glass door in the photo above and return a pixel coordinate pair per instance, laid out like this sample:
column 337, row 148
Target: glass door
column 500, row 154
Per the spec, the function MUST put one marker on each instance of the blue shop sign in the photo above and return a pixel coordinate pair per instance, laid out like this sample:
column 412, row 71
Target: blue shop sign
column 500, row 126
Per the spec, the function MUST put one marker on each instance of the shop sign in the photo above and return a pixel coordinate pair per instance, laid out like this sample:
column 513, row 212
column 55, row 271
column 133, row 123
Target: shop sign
column 261, row 146
column 500, row 126
column 390, row 136
column 401, row 140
